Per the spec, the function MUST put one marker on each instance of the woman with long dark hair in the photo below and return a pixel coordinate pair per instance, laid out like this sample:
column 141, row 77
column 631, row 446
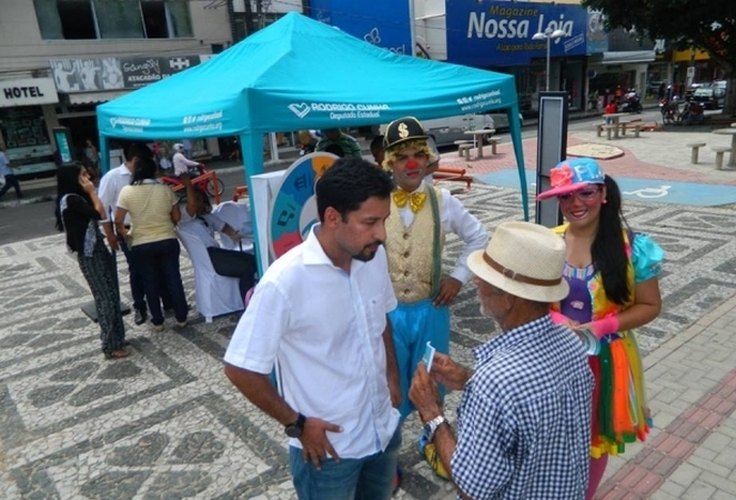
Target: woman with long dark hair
column 614, row 287
column 78, row 212
column 153, row 213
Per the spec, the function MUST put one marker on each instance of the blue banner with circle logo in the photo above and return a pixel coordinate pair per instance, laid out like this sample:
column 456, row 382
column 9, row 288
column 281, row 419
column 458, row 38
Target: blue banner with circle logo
column 483, row 33
column 384, row 23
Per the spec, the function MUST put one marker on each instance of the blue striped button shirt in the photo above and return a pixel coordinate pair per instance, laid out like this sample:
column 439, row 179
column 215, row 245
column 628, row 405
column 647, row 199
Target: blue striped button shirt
column 524, row 420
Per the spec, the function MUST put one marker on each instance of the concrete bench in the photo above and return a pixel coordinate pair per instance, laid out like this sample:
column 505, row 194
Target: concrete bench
column 464, row 150
column 635, row 124
column 599, row 129
column 610, row 129
column 649, row 126
column 720, row 150
column 694, row 153
column 494, row 143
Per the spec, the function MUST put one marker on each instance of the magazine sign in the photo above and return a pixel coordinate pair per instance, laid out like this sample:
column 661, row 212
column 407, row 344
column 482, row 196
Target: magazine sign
column 500, row 33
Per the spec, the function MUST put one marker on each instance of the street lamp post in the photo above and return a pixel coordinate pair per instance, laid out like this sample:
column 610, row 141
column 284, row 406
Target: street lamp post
column 548, row 35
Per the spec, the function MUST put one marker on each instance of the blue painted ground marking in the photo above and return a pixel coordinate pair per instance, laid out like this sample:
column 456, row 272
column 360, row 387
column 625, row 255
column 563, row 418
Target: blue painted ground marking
column 655, row 190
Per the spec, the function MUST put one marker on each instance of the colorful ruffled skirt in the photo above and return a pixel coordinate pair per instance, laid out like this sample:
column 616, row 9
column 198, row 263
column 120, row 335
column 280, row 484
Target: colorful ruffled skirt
column 620, row 412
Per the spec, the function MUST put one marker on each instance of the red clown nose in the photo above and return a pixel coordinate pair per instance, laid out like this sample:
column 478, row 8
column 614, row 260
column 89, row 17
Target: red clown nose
column 412, row 163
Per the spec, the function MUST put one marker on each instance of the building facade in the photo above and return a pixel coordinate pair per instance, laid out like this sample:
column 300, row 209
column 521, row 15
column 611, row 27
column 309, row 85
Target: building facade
column 61, row 58
column 587, row 62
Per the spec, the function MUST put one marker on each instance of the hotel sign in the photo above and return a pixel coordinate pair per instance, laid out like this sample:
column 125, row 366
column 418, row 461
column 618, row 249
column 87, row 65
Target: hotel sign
column 27, row 92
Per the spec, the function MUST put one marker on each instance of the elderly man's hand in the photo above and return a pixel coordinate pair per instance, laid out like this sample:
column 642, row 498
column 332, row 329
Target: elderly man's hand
column 445, row 371
column 424, row 394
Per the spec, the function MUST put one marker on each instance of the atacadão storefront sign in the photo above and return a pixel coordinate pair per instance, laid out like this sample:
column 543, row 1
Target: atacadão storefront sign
column 27, row 92
column 500, row 33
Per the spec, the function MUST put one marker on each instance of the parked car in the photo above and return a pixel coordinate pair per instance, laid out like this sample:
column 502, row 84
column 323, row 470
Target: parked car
column 711, row 96
column 501, row 119
column 653, row 87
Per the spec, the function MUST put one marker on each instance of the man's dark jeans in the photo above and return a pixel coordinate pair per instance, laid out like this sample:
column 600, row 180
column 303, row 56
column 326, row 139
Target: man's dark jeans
column 11, row 181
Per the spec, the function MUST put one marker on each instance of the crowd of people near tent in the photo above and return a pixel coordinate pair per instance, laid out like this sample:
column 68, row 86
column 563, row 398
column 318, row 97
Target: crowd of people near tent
column 356, row 319
column 539, row 414
column 140, row 216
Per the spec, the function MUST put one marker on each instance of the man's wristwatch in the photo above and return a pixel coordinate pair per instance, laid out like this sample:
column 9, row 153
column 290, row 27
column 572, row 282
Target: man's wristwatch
column 295, row 429
column 430, row 428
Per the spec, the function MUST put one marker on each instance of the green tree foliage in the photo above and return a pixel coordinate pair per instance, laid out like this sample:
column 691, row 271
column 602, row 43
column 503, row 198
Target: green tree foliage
column 706, row 24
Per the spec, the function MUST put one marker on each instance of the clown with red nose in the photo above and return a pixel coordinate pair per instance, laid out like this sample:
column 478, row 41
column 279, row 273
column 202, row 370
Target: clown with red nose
column 421, row 214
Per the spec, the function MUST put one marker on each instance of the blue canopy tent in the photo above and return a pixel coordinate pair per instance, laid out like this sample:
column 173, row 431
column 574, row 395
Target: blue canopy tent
column 299, row 73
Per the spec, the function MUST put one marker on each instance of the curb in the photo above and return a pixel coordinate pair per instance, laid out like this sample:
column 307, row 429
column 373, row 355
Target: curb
column 26, row 201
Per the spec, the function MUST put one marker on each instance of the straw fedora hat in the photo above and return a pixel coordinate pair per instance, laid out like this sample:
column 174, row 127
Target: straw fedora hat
column 525, row 260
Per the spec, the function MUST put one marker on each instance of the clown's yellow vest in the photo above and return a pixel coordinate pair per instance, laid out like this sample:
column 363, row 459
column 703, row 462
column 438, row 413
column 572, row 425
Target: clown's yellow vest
column 410, row 253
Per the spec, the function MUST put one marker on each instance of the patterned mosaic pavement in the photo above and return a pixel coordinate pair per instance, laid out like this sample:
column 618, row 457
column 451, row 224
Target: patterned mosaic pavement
column 165, row 423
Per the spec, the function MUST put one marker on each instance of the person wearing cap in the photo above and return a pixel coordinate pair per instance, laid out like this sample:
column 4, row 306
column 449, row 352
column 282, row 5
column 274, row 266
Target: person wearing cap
column 181, row 162
column 421, row 216
column 335, row 137
column 613, row 276
column 523, row 422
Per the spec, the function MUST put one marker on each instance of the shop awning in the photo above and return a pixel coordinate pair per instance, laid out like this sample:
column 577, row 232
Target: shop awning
column 92, row 97
column 628, row 57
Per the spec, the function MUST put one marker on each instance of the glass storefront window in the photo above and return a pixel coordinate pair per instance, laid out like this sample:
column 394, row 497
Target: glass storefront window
column 23, row 127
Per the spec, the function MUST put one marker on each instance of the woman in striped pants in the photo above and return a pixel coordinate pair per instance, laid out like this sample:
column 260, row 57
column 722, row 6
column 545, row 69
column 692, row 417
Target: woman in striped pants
column 78, row 213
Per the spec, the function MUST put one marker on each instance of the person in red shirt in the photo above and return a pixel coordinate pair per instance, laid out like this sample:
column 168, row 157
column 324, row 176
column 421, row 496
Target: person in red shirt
column 610, row 108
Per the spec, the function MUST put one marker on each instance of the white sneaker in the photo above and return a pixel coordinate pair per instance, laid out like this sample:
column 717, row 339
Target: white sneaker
column 157, row 328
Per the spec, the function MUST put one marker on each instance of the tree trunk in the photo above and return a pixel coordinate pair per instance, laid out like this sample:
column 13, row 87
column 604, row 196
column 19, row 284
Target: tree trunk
column 729, row 107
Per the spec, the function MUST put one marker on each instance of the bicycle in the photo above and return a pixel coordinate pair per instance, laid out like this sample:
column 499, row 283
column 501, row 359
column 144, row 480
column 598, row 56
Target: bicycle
column 206, row 180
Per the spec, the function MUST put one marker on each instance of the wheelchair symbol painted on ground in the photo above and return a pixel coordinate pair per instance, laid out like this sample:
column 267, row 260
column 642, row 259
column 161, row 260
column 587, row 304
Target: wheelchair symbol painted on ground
column 650, row 192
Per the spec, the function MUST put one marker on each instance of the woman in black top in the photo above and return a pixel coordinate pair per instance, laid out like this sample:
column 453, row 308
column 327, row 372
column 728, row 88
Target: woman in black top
column 79, row 211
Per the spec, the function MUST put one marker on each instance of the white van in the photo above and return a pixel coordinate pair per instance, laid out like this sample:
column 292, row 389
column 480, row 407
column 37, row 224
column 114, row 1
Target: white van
column 450, row 129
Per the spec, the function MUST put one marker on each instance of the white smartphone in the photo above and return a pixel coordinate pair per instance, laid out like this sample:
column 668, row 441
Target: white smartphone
column 428, row 356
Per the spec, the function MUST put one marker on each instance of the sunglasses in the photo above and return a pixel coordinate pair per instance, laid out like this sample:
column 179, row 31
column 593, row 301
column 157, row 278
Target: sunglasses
column 586, row 194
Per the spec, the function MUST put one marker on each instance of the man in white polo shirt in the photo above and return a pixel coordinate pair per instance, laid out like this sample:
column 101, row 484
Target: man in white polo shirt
column 319, row 314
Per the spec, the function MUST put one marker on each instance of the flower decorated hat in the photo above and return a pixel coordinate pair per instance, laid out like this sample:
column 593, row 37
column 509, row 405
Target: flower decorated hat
column 572, row 175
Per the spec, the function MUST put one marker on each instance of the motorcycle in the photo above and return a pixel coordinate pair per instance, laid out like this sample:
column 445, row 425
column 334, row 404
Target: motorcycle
column 673, row 111
column 632, row 102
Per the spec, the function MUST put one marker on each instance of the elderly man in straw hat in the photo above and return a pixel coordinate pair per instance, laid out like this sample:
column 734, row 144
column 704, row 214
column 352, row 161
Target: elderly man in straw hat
column 523, row 424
